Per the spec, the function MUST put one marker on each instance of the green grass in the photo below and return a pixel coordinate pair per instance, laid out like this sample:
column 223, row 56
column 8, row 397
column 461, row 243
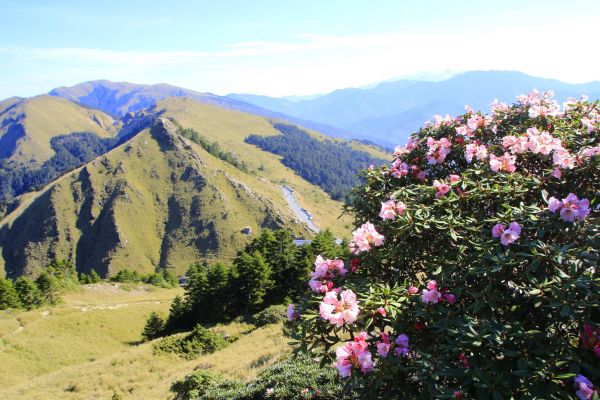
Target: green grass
column 76, row 354
column 45, row 117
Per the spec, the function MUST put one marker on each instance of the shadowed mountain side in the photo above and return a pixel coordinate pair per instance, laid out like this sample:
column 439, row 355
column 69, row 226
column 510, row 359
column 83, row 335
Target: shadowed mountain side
column 155, row 201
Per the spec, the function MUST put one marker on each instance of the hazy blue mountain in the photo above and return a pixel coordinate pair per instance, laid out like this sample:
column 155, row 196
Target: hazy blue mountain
column 390, row 111
column 120, row 98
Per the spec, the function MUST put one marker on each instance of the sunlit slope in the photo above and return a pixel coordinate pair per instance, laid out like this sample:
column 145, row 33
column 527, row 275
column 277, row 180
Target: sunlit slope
column 28, row 125
column 230, row 128
column 155, row 201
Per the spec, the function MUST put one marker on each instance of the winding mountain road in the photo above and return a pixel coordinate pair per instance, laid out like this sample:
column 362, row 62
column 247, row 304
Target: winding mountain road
column 303, row 215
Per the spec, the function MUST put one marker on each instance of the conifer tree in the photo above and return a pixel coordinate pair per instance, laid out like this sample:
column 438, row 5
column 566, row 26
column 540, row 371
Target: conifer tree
column 154, row 327
column 8, row 295
column 29, row 294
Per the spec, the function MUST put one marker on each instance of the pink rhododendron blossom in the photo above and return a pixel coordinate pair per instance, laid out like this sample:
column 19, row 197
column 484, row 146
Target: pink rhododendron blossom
column 422, row 175
column 441, row 188
column 473, row 150
column 498, row 107
column 590, row 152
column 475, row 122
column 556, row 173
column 399, row 169
column 511, row 234
column 505, row 162
column 585, row 388
column 269, row 392
column 438, row 150
column 365, row 237
column 402, row 347
column 354, row 264
column 497, row 230
column 454, row 178
column 390, row 209
column 571, row 208
column 291, row 313
column 413, row 290
column 339, row 309
column 383, row 346
column 431, row 294
column 320, row 285
column 381, row 311
column 590, row 124
column 354, row 354
column 457, row 394
column 464, row 130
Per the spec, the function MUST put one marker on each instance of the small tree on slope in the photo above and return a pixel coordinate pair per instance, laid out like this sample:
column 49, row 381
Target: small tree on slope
column 475, row 262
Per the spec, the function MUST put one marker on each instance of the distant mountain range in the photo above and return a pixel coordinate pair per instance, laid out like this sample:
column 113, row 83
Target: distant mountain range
column 387, row 113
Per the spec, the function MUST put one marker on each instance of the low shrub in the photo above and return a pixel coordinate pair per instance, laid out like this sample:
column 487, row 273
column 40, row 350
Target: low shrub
column 270, row 315
column 291, row 379
column 199, row 341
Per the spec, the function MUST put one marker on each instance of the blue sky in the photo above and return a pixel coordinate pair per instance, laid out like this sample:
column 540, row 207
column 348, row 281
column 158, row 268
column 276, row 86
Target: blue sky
column 288, row 47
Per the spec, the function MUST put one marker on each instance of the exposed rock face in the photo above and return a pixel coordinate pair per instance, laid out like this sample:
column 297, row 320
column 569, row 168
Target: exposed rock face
column 152, row 202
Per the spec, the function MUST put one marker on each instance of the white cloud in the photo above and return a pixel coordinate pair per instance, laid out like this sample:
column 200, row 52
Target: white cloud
column 309, row 63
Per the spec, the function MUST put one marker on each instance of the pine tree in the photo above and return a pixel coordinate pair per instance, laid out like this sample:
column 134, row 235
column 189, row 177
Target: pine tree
column 49, row 287
column 29, row 294
column 8, row 295
column 93, row 277
column 178, row 315
column 253, row 280
column 154, row 327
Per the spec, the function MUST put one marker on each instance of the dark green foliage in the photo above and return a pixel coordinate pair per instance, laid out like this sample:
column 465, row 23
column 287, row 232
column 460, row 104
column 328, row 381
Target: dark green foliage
column 126, row 276
column 199, row 341
column 71, row 151
column 252, row 280
column 333, row 166
column 270, row 315
column 93, row 277
column 269, row 270
column 49, row 287
column 8, row 295
column 29, row 294
column 214, row 149
column 154, row 328
column 292, row 379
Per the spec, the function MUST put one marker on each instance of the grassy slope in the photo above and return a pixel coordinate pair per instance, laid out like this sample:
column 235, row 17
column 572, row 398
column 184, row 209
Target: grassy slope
column 91, row 351
column 230, row 128
column 145, row 205
column 44, row 117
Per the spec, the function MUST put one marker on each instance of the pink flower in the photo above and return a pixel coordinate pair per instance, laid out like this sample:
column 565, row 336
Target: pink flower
column 571, row 208
column 291, row 313
column 432, row 285
column 511, row 234
column 399, row 169
column 354, row 354
column 477, row 151
column 497, row 230
column 402, row 347
column 339, row 311
column 438, row 150
column 464, row 130
column 390, row 209
column 365, row 237
column 454, row 178
column 269, row 392
column 413, row 290
column 383, row 346
column 381, row 311
column 458, row 394
column 320, row 285
column 589, row 152
column 591, row 339
column 554, row 204
column 430, row 296
column 556, row 173
column 422, row 176
column 476, row 122
column 441, row 188
column 505, row 162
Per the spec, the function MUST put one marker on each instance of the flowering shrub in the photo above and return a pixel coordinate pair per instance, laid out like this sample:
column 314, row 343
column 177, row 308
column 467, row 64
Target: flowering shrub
column 474, row 267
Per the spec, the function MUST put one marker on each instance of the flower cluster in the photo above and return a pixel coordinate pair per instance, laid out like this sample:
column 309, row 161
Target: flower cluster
column 478, row 151
column 570, row 208
column 437, row 150
column 390, row 209
column 431, row 295
column 354, row 355
column 365, row 238
column 400, row 345
column 339, row 309
column 325, row 271
column 507, row 236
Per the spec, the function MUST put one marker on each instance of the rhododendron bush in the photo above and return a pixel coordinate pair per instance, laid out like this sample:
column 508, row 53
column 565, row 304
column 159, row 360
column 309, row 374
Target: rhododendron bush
column 474, row 266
